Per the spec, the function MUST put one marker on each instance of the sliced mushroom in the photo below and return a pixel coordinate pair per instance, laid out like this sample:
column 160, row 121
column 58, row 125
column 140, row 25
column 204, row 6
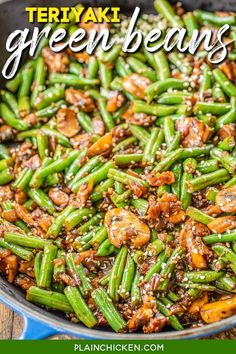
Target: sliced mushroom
column 136, row 84
column 124, row 227
column 226, row 199
column 67, row 122
column 80, row 99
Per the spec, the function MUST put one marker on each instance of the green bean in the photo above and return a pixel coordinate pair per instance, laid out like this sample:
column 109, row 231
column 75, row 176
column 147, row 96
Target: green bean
column 122, row 67
column 85, row 122
column 226, row 85
column 176, row 186
column 178, row 60
column 169, row 130
column 167, row 161
column 153, row 145
column 140, row 133
column 159, row 87
column 23, row 179
column 212, row 107
column 71, row 80
column 207, row 166
column 111, row 55
column 124, row 177
column 98, row 191
column 26, row 81
column 56, row 226
column 202, row 276
column 214, row 238
column 41, row 199
column 78, row 271
column 59, row 267
column 51, row 110
column 158, row 110
column 169, row 267
column 76, row 69
column 231, row 182
column 205, row 83
column 218, row 94
column 135, row 290
column 124, row 143
column 105, row 75
column 211, row 17
column 227, row 144
column 141, row 205
column 199, row 215
column 45, row 98
column 6, row 176
column 197, row 286
column 189, row 167
column 77, row 216
column 37, row 265
column 226, row 160
column 13, row 84
column 58, row 165
column 174, row 98
column 97, row 176
column 227, row 255
column 209, row 179
column 82, row 311
column 46, row 269
column 50, row 299
column 155, row 268
column 85, row 169
column 165, row 9
column 11, row 101
column 174, row 322
column 17, row 250
column 126, row 159
column 106, row 116
column 6, row 163
column 193, row 152
column 99, row 237
column 81, row 243
column 39, row 79
column 172, row 296
column 226, row 283
column 94, row 221
column 9, row 117
column 128, row 277
column 116, row 274
column 161, row 65
column 155, row 247
column 229, row 117
column 25, row 240
column 105, row 304
column 162, row 190
column 120, row 200
column 142, row 69
column 190, row 23
column 75, row 165
column 4, row 154
column 105, row 249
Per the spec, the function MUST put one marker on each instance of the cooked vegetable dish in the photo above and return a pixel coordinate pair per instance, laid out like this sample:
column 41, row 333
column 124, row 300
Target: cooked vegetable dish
column 118, row 181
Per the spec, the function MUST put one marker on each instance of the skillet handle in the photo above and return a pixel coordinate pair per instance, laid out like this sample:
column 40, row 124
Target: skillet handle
column 35, row 329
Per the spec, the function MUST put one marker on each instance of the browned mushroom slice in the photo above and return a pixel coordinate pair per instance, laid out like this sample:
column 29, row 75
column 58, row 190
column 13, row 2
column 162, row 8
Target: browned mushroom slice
column 124, row 227
column 67, row 122
column 136, row 84
column 226, row 199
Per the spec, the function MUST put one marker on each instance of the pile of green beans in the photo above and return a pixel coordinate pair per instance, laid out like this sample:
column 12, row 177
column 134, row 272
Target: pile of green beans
column 116, row 196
